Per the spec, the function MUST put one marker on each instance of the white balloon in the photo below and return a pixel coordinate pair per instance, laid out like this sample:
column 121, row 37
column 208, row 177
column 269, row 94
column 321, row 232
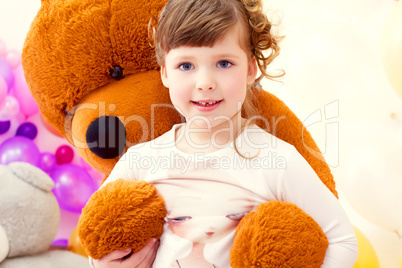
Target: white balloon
column 9, row 108
column 391, row 47
column 372, row 179
column 329, row 60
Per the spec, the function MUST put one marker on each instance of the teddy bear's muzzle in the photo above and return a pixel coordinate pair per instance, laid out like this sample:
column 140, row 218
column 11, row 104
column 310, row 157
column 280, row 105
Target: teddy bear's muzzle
column 121, row 114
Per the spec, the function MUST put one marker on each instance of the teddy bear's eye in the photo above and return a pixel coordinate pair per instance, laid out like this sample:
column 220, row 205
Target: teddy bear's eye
column 116, row 72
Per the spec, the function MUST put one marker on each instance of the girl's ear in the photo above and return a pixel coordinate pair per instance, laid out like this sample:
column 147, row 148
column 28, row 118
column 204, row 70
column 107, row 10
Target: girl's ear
column 252, row 71
column 164, row 77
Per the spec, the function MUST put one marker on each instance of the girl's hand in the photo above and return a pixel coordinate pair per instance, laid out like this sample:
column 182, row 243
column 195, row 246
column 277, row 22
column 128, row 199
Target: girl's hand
column 126, row 259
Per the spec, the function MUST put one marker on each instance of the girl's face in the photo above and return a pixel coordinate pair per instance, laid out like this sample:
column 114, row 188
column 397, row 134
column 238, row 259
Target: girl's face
column 208, row 85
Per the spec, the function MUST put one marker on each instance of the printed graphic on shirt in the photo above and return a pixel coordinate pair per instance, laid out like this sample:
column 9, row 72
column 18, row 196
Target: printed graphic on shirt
column 202, row 214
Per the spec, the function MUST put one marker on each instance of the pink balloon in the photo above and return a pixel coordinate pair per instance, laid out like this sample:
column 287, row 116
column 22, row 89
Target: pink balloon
column 64, row 154
column 73, row 187
column 9, row 108
column 13, row 57
column 3, row 89
column 6, row 73
column 22, row 93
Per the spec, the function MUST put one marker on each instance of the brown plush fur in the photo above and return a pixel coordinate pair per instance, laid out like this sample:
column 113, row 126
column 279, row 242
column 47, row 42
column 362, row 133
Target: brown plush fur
column 115, row 218
column 67, row 56
column 72, row 45
column 294, row 241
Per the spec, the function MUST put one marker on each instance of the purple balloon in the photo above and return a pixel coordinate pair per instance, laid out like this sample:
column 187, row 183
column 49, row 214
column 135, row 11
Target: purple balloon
column 22, row 93
column 19, row 149
column 61, row 243
column 6, row 73
column 28, row 130
column 73, row 187
column 4, row 126
column 47, row 162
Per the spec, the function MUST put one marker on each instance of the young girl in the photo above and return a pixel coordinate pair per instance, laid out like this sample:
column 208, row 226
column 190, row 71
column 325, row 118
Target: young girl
column 210, row 52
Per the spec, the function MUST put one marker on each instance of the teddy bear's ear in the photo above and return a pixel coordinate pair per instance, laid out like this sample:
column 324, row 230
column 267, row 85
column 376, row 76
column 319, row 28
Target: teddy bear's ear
column 32, row 175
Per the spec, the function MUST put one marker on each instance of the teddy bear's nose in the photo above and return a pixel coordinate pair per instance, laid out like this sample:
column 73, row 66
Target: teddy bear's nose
column 106, row 137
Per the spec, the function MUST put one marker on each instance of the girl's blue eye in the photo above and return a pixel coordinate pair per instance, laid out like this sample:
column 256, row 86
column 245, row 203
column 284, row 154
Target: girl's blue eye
column 224, row 64
column 186, row 66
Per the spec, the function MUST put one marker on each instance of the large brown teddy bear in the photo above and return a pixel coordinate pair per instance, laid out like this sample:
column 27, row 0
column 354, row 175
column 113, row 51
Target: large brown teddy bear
column 93, row 73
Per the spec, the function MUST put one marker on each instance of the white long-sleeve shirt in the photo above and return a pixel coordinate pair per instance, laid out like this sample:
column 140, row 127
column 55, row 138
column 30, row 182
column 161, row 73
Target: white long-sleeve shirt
column 206, row 195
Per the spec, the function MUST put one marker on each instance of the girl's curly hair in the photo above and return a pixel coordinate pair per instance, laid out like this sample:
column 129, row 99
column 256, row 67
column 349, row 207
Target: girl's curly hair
column 261, row 37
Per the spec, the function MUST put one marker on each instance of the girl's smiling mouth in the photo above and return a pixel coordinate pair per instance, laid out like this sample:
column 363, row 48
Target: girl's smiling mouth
column 207, row 105
column 206, row 102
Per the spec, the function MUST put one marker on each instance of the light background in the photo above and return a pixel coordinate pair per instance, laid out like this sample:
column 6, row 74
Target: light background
column 332, row 57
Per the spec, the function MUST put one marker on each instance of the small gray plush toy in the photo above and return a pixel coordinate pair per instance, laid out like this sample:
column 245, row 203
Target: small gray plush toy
column 29, row 219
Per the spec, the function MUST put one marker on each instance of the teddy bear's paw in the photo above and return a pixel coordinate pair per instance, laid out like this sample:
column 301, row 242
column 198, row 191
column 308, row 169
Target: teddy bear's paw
column 4, row 245
column 122, row 214
column 278, row 234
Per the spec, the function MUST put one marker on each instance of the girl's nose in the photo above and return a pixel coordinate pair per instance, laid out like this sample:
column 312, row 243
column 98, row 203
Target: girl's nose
column 206, row 81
